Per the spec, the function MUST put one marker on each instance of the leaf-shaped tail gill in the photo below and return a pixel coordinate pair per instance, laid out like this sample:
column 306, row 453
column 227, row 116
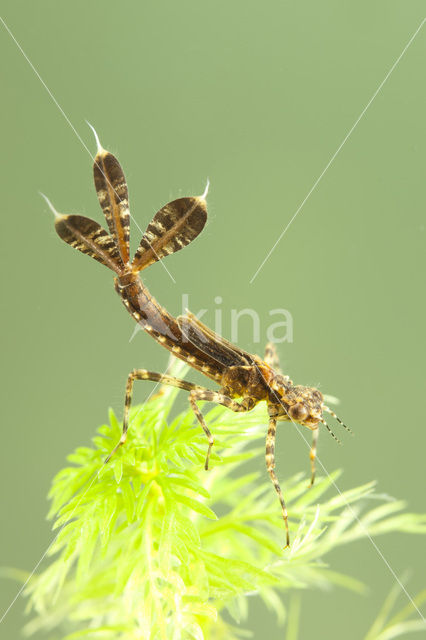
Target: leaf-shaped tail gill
column 111, row 187
column 90, row 238
column 87, row 236
column 172, row 228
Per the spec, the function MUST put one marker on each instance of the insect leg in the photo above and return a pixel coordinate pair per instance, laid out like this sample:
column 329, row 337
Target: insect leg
column 313, row 453
column 270, row 465
column 212, row 396
column 202, row 422
column 144, row 374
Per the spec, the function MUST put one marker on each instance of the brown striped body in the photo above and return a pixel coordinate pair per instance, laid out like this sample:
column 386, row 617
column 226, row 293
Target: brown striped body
column 162, row 326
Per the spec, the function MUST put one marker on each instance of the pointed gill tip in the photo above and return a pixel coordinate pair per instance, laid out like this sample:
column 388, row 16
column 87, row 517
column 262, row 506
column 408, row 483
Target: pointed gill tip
column 206, row 190
column 98, row 143
column 50, row 205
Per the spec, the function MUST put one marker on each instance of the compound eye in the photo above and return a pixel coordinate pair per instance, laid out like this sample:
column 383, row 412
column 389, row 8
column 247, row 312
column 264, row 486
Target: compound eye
column 298, row 412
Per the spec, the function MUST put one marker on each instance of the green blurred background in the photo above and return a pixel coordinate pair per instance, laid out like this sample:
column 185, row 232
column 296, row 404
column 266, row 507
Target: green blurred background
column 256, row 96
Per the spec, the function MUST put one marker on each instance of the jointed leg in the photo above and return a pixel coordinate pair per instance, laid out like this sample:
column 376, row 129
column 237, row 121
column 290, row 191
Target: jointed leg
column 143, row 374
column 313, row 453
column 161, row 389
column 212, row 396
column 271, row 357
column 270, row 465
column 202, row 422
column 196, row 393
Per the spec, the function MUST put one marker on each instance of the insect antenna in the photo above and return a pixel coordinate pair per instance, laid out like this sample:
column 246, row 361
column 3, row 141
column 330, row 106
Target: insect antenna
column 330, row 431
column 338, row 420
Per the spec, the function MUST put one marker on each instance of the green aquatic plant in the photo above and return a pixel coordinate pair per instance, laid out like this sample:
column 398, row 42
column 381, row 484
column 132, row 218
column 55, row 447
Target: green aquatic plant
column 150, row 546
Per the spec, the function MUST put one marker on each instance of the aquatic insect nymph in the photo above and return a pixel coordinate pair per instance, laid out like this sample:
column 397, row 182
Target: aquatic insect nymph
column 244, row 379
